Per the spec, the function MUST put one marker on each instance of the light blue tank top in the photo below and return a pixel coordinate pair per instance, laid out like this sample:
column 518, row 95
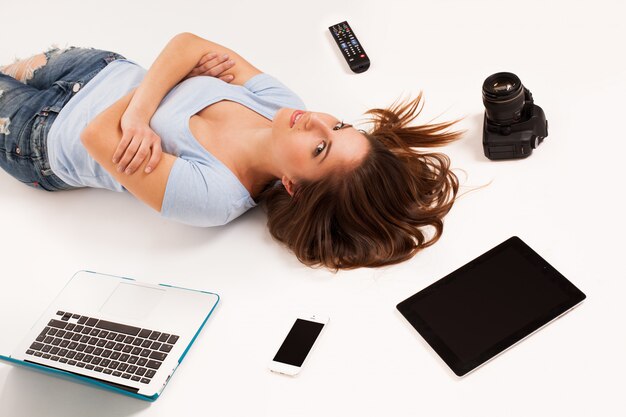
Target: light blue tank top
column 200, row 191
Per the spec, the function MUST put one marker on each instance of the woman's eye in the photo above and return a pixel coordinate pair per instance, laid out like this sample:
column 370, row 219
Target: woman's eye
column 320, row 148
column 338, row 126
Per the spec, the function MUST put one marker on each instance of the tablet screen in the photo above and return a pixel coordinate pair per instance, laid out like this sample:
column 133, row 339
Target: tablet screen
column 489, row 304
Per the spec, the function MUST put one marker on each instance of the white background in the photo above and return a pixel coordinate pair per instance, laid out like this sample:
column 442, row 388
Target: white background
column 565, row 201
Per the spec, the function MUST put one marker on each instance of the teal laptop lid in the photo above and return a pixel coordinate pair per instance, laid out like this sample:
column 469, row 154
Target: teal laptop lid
column 111, row 332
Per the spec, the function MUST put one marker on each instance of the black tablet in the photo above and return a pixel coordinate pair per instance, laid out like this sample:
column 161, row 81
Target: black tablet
column 489, row 304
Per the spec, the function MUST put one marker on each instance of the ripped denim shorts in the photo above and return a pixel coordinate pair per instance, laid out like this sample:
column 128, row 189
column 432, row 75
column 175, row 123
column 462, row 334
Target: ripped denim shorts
column 25, row 119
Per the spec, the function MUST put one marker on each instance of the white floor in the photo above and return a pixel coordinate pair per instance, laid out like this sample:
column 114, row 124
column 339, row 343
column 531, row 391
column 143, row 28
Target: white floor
column 565, row 201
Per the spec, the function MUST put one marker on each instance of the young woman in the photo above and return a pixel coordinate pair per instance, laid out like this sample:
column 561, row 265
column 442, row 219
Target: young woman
column 204, row 149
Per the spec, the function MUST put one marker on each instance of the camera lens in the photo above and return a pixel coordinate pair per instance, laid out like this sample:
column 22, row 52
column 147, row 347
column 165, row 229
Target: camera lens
column 503, row 97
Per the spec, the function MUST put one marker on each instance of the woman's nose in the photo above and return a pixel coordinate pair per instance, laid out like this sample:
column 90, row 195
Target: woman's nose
column 315, row 122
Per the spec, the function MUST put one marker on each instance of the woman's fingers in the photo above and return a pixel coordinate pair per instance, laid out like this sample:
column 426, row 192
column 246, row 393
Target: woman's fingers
column 217, row 66
column 140, row 156
column 213, row 65
column 206, row 58
column 139, row 143
column 211, row 60
column 128, row 156
column 137, row 152
column 227, row 78
column 154, row 158
column 121, row 147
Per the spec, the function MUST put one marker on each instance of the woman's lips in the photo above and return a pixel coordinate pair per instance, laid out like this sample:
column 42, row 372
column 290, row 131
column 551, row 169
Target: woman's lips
column 294, row 115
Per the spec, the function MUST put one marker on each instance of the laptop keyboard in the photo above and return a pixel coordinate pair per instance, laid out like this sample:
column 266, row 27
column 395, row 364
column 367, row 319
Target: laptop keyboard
column 103, row 346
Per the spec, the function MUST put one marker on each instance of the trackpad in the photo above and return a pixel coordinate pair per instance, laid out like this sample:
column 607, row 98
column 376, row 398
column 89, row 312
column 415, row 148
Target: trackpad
column 132, row 301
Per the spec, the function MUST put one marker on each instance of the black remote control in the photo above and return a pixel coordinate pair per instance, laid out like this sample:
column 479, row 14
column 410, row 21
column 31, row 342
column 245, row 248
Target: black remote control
column 350, row 47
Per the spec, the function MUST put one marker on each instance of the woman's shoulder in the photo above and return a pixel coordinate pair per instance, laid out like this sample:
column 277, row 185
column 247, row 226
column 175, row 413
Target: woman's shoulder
column 201, row 193
column 269, row 87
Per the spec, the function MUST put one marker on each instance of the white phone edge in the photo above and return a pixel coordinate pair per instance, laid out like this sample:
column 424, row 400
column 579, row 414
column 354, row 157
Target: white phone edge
column 291, row 370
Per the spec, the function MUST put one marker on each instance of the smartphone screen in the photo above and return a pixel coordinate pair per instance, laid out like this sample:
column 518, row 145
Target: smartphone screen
column 298, row 342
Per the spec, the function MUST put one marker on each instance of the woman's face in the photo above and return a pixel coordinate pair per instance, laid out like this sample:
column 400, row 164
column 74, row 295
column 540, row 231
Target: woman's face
column 312, row 145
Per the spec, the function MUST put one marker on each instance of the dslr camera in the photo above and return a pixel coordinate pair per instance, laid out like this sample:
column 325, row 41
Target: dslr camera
column 514, row 125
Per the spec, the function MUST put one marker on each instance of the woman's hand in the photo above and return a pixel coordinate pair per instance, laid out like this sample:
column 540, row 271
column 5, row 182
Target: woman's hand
column 138, row 142
column 213, row 65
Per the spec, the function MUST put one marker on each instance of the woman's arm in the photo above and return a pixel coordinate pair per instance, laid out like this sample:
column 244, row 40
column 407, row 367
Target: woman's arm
column 101, row 138
column 177, row 59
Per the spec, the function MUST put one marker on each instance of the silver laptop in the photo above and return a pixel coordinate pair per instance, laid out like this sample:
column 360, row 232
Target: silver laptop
column 115, row 333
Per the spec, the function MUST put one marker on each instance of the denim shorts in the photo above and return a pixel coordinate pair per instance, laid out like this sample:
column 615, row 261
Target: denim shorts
column 27, row 111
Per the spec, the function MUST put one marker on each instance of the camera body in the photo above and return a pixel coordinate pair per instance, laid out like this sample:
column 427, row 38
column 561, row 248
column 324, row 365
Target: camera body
column 513, row 125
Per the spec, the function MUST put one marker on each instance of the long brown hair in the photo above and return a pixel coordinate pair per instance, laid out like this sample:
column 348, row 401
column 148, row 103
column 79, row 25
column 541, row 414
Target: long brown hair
column 374, row 214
